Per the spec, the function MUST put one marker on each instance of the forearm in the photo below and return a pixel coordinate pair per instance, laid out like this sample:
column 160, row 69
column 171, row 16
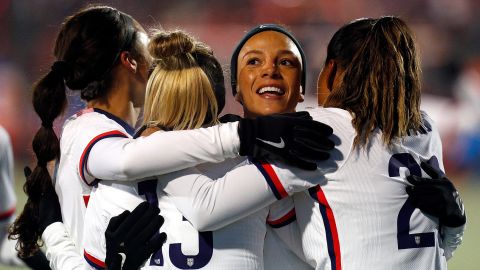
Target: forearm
column 212, row 204
column 61, row 250
column 161, row 152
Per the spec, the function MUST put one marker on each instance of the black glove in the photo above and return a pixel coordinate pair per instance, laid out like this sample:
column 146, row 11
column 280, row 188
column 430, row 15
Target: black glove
column 49, row 210
column 227, row 118
column 437, row 197
column 292, row 137
column 135, row 235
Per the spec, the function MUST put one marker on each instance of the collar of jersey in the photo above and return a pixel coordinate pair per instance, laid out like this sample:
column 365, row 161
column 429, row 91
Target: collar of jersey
column 129, row 129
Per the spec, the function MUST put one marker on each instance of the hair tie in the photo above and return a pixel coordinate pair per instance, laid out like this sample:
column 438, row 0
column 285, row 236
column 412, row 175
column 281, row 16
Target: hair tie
column 42, row 164
column 62, row 68
column 47, row 124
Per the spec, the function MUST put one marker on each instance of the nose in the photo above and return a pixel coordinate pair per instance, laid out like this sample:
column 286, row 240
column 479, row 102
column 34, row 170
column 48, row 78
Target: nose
column 270, row 69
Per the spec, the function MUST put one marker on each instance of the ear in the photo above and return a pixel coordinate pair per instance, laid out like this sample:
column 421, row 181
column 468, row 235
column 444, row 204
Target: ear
column 127, row 61
column 301, row 97
column 238, row 97
column 331, row 73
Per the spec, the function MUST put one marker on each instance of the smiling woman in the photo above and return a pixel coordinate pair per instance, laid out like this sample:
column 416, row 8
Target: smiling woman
column 269, row 66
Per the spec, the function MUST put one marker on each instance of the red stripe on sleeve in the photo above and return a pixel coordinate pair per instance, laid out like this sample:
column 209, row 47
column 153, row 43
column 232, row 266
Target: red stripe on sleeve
column 93, row 260
column 7, row 214
column 86, row 151
column 273, row 176
column 286, row 217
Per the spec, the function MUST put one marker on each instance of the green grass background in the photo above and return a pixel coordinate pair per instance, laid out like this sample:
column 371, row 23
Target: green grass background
column 467, row 256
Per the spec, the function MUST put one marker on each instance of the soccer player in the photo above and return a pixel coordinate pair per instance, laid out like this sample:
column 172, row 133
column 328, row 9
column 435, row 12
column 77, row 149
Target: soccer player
column 8, row 256
column 361, row 216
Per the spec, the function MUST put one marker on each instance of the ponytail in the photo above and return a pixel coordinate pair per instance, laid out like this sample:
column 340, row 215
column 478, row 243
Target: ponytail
column 381, row 79
column 87, row 54
column 49, row 100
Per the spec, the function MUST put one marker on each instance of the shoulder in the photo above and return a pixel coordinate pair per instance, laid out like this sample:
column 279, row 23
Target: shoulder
column 330, row 115
column 343, row 134
column 4, row 137
column 4, row 140
column 88, row 124
column 88, row 119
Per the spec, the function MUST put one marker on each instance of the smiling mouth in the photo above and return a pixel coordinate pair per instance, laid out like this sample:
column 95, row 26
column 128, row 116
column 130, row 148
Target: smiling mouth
column 270, row 90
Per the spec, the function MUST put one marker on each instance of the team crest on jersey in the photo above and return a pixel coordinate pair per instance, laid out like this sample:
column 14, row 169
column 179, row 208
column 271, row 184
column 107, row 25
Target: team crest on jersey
column 417, row 239
column 190, row 262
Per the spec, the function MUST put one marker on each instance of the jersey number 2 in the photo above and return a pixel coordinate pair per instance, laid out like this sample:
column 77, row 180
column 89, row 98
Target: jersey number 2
column 404, row 237
column 180, row 260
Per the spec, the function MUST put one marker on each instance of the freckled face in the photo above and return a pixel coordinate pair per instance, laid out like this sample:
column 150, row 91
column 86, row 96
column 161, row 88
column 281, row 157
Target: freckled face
column 269, row 74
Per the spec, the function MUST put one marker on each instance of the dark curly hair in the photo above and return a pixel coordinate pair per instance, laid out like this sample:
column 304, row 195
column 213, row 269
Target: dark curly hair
column 87, row 48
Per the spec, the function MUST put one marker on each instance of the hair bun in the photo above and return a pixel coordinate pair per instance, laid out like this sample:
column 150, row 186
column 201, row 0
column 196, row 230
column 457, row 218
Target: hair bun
column 166, row 44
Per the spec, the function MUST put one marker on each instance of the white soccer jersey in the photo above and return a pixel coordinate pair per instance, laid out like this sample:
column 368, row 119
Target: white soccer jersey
column 236, row 246
column 230, row 212
column 277, row 256
column 80, row 133
column 98, row 145
column 8, row 254
column 7, row 193
column 285, row 252
column 359, row 217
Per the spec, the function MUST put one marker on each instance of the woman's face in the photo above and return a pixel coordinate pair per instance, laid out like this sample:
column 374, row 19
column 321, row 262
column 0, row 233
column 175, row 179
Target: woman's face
column 330, row 78
column 322, row 86
column 141, row 76
column 269, row 75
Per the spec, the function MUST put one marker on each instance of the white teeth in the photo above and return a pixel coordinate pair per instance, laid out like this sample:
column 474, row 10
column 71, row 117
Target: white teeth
column 271, row 89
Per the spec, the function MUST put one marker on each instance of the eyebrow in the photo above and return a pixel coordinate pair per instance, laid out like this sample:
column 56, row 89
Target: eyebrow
column 261, row 52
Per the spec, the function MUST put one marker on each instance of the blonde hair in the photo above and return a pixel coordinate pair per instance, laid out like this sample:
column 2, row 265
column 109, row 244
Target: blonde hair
column 179, row 93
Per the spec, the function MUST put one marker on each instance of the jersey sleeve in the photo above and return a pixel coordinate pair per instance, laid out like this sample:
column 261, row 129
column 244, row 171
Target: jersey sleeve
column 210, row 204
column 282, row 222
column 7, row 193
column 277, row 256
column 160, row 153
column 281, row 213
column 451, row 239
column 60, row 249
column 7, row 198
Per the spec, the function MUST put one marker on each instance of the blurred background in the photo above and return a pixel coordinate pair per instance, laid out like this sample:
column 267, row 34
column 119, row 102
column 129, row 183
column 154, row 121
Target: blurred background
column 448, row 34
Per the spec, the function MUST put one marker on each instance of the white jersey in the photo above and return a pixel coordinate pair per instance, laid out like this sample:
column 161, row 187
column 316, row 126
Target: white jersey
column 80, row 133
column 7, row 193
column 98, row 145
column 229, row 212
column 284, row 252
column 8, row 254
column 277, row 256
column 359, row 216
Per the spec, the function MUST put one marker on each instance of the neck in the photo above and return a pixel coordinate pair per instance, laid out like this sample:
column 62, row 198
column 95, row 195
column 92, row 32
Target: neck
column 118, row 103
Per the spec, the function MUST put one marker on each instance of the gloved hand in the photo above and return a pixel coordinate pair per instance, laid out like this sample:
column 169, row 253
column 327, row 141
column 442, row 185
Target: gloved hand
column 49, row 210
column 135, row 236
column 227, row 118
column 437, row 197
column 292, row 137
